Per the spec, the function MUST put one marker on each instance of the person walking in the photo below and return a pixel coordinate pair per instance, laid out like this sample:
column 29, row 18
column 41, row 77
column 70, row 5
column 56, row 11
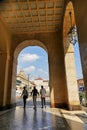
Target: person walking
column 34, row 93
column 43, row 95
column 25, row 96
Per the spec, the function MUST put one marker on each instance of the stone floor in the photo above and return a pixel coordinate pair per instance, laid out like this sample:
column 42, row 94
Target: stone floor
column 42, row 119
column 29, row 119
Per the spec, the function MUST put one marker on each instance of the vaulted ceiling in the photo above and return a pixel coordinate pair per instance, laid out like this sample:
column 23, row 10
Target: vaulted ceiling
column 32, row 16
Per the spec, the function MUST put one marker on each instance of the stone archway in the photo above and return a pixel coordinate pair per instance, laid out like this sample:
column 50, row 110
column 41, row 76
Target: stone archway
column 72, row 88
column 16, row 52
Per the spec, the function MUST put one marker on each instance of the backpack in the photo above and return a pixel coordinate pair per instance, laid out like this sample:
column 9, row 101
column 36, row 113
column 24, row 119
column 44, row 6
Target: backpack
column 25, row 93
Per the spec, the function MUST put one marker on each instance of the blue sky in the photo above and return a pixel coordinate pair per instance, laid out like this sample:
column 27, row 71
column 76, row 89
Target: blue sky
column 78, row 61
column 34, row 61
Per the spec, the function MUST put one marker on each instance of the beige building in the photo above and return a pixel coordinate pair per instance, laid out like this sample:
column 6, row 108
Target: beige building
column 22, row 80
column 80, row 82
column 39, row 81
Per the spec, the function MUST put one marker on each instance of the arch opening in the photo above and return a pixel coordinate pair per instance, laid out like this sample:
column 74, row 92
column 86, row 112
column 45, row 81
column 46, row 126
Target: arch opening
column 33, row 73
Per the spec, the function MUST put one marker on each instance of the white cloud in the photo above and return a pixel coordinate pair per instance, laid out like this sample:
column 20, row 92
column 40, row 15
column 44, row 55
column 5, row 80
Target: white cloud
column 29, row 57
column 42, row 71
column 29, row 69
column 44, row 74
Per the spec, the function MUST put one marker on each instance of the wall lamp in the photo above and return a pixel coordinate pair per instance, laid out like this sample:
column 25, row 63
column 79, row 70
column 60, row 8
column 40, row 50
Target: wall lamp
column 72, row 33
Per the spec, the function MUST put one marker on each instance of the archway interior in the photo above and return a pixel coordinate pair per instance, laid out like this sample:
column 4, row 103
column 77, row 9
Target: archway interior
column 32, row 70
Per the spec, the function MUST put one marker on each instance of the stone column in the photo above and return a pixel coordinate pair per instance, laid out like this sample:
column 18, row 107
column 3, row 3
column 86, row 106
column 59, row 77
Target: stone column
column 83, row 50
column 5, row 81
column 3, row 78
column 57, row 78
column 81, row 23
column 6, row 98
column 13, row 89
column 73, row 96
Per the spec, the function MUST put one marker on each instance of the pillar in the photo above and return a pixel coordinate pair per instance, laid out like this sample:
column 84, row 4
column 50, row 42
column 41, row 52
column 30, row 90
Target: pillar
column 73, row 96
column 80, row 12
column 58, row 89
column 3, row 57
column 13, row 86
column 5, row 81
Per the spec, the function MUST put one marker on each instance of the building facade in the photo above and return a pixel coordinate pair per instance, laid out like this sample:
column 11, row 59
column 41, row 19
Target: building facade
column 80, row 82
column 81, row 86
column 39, row 82
column 22, row 80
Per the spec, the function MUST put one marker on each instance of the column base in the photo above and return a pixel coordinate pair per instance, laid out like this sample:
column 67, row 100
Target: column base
column 2, row 108
column 59, row 105
column 74, row 107
column 66, row 106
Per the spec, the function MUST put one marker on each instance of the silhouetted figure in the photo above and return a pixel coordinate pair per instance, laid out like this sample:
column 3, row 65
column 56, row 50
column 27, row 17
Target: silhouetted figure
column 25, row 96
column 34, row 93
column 43, row 95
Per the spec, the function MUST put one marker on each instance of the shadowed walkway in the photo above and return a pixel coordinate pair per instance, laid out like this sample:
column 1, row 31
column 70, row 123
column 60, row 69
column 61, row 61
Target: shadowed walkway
column 41, row 119
column 29, row 119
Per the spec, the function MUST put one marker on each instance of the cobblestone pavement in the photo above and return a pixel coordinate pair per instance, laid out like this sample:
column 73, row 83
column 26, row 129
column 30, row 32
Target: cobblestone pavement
column 41, row 119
